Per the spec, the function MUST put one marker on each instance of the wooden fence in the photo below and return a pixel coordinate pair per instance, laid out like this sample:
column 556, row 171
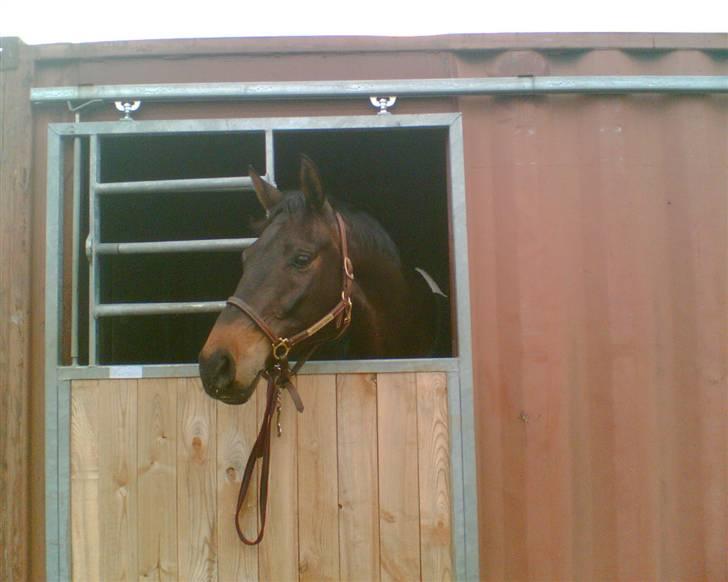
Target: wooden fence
column 360, row 482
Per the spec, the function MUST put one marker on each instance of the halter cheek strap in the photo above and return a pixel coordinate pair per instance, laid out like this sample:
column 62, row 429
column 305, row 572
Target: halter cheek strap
column 279, row 375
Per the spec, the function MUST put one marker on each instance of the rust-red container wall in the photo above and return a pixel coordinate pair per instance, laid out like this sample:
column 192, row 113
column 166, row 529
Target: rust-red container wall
column 598, row 250
column 598, row 256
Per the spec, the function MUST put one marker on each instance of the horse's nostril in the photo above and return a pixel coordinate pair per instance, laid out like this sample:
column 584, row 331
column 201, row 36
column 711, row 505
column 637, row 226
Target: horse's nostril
column 217, row 371
column 224, row 370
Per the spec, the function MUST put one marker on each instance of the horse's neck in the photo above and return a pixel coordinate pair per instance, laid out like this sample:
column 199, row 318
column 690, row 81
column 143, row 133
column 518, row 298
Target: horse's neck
column 383, row 315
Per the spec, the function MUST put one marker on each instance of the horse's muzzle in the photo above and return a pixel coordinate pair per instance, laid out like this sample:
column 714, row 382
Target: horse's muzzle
column 217, row 372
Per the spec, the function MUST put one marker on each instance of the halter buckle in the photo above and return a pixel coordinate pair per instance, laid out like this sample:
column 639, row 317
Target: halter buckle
column 347, row 309
column 281, row 349
column 348, row 268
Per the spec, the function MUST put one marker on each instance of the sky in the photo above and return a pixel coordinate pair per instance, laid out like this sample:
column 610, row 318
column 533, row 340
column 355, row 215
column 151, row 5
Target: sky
column 44, row 21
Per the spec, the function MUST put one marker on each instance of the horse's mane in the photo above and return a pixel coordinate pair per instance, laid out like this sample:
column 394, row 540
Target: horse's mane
column 365, row 231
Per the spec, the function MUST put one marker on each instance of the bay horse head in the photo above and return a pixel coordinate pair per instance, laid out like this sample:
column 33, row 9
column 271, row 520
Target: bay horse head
column 292, row 277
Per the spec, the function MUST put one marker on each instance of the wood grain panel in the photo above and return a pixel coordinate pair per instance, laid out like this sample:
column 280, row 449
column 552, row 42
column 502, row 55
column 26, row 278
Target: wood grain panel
column 325, row 518
column 117, row 442
column 237, row 427
column 85, row 540
column 399, row 528
column 434, row 477
column 358, row 476
column 16, row 202
column 157, row 482
column 278, row 552
column 318, row 519
column 196, row 483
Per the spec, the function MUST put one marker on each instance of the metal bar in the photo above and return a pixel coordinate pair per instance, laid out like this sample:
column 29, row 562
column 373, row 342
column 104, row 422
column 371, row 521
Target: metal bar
column 401, row 88
column 164, row 186
column 339, row 122
column 447, row 365
column 461, row 263
column 94, row 280
column 53, row 311
column 76, row 246
column 64, row 477
column 117, row 309
column 174, row 246
column 457, row 491
column 270, row 157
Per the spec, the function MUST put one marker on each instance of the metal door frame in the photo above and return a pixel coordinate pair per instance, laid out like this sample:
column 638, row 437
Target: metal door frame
column 58, row 378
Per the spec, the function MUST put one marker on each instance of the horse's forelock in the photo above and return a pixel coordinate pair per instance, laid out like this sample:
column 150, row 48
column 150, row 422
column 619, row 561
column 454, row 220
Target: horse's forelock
column 365, row 231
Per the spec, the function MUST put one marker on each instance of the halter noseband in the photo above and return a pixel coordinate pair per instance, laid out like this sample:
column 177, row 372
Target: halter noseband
column 279, row 375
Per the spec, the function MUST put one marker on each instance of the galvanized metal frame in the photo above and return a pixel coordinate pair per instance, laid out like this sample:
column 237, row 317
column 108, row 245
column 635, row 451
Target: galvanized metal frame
column 57, row 448
column 76, row 245
column 401, row 88
column 59, row 378
column 94, row 286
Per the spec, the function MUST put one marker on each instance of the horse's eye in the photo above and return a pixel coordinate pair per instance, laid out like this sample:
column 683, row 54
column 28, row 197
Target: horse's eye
column 302, row 260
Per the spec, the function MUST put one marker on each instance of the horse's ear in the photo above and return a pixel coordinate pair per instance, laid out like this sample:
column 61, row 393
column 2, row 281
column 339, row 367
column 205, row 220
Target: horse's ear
column 311, row 184
column 268, row 195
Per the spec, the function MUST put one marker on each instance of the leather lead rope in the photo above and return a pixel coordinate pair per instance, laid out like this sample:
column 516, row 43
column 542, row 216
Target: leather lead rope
column 279, row 376
column 279, row 379
column 260, row 450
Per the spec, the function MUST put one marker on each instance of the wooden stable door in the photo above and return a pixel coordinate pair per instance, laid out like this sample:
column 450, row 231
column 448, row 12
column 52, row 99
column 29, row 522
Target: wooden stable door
column 360, row 482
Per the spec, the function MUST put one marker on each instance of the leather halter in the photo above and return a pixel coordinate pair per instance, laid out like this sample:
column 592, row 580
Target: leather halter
column 279, row 374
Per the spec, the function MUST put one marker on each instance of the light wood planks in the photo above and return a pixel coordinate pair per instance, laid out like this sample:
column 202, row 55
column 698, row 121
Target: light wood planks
column 399, row 528
column 157, row 485
column 358, row 476
column 237, row 427
column 359, row 489
column 196, row 483
column 278, row 552
column 318, row 510
column 117, row 445
column 434, row 477
column 85, row 548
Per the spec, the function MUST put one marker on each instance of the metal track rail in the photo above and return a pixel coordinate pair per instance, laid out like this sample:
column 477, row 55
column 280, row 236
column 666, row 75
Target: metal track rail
column 165, row 186
column 168, row 308
column 173, row 246
column 400, row 88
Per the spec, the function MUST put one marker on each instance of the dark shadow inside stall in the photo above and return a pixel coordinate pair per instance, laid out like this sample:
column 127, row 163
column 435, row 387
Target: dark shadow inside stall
column 397, row 175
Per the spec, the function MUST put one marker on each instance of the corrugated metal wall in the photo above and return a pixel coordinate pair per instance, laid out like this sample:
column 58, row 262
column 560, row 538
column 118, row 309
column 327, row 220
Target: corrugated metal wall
column 598, row 244
column 598, row 249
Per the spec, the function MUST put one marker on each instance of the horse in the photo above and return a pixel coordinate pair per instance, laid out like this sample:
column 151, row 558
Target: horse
column 292, row 276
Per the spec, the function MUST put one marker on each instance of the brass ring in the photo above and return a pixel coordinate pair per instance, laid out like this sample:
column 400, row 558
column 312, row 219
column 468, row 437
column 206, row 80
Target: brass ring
column 281, row 345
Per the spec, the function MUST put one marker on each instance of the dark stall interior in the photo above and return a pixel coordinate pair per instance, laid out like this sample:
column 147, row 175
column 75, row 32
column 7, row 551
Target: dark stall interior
column 398, row 175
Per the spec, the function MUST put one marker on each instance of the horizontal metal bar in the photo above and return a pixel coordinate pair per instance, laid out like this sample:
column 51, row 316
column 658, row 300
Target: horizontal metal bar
column 380, row 366
column 311, row 367
column 195, row 126
column 116, row 309
column 164, row 186
column 401, row 88
column 174, row 246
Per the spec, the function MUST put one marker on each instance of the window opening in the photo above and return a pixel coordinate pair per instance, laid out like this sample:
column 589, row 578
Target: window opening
column 155, row 305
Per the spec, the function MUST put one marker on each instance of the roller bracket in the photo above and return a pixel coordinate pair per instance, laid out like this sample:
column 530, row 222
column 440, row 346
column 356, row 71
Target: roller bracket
column 127, row 107
column 383, row 104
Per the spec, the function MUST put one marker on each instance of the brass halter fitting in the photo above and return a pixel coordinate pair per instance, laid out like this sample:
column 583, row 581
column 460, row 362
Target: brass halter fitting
column 347, row 309
column 281, row 349
column 348, row 268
